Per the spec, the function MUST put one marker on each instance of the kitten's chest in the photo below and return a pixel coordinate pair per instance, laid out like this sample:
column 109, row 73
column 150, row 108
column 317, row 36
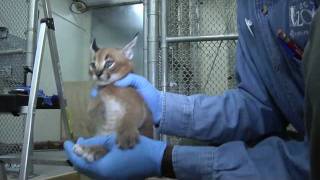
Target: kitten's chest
column 114, row 111
column 114, row 108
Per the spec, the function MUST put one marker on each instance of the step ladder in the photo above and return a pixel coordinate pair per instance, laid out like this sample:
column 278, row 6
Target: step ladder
column 47, row 28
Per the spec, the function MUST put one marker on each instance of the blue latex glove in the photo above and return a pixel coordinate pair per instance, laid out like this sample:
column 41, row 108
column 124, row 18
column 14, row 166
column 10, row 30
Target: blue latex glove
column 149, row 93
column 144, row 160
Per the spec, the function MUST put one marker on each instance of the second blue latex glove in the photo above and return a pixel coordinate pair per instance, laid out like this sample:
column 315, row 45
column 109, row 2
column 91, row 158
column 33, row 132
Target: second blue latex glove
column 150, row 94
column 144, row 160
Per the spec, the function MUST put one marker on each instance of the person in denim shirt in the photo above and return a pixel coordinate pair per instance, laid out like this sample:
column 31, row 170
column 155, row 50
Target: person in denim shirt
column 269, row 96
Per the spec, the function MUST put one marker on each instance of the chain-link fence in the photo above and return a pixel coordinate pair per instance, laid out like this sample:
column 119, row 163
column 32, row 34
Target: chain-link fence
column 205, row 66
column 201, row 67
column 13, row 23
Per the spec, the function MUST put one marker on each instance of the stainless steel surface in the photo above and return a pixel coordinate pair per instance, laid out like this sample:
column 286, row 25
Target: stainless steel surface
column 31, row 34
column 27, row 144
column 12, row 51
column 202, row 38
column 56, row 69
column 108, row 3
column 145, row 38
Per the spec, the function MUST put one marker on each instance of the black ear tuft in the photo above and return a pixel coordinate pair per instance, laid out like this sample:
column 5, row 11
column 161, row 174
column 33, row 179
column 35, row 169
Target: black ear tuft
column 94, row 46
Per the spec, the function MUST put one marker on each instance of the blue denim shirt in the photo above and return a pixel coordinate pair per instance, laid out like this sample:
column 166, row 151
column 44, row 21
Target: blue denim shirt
column 268, row 97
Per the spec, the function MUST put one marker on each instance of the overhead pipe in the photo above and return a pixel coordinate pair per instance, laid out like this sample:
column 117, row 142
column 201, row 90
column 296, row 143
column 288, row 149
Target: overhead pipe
column 164, row 54
column 153, row 45
column 145, row 38
column 13, row 51
column 202, row 38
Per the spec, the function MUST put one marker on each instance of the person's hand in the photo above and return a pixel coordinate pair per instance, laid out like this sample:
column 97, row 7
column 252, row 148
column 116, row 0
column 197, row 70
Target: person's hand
column 143, row 160
column 150, row 94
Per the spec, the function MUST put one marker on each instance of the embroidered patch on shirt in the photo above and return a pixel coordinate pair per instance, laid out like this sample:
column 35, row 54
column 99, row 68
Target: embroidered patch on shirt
column 301, row 14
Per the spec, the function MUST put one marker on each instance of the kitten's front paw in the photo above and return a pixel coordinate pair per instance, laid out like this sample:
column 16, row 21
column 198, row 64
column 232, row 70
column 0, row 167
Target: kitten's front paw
column 128, row 139
column 90, row 154
column 83, row 152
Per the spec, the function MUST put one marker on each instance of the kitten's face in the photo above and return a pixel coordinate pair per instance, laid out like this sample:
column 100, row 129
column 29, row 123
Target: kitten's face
column 109, row 64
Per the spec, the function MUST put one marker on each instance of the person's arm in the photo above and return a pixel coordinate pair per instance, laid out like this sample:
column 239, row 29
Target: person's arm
column 234, row 115
column 244, row 113
column 273, row 158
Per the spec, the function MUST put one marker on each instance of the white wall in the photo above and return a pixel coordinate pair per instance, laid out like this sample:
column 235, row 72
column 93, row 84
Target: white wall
column 73, row 40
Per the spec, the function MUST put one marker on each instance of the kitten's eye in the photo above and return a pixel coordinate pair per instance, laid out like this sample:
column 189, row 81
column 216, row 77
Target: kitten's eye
column 109, row 64
column 93, row 65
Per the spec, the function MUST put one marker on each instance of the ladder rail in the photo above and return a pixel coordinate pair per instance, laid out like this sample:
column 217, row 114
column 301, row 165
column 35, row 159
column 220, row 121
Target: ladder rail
column 28, row 132
column 56, row 69
column 46, row 28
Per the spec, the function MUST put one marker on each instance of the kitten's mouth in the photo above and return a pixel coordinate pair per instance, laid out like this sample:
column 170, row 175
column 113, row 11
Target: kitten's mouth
column 102, row 83
column 109, row 80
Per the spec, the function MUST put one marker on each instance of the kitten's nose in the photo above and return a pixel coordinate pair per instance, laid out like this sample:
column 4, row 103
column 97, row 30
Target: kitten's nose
column 99, row 73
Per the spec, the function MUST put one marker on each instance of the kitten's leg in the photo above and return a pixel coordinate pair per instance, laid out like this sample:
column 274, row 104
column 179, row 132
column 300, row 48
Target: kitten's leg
column 95, row 108
column 146, row 128
column 90, row 153
column 129, row 126
column 128, row 138
column 127, row 132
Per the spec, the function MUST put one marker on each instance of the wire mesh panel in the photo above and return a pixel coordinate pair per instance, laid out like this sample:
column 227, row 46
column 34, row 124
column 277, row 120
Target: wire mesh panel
column 205, row 66
column 13, row 28
column 14, row 16
column 201, row 67
column 201, row 17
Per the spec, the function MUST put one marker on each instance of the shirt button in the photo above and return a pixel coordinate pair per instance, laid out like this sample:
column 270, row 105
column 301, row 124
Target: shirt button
column 276, row 68
column 264, row 9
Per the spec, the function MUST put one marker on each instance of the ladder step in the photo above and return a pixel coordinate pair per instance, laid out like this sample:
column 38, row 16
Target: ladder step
column 13, row 103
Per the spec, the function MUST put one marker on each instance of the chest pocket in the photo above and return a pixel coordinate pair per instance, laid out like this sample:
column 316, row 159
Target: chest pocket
column 296, row 17
column 300, row 18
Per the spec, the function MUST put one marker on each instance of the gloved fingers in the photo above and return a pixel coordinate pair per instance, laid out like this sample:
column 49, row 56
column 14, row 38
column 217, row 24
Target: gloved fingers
column 128, row 80
column 96, row 140
column 132, row 80
column 80, row 140
column 110, row 141
column 77, row 161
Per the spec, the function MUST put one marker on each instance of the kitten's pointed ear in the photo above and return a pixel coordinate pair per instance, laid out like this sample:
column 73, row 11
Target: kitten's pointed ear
column 128, row 49
column 94, row 46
